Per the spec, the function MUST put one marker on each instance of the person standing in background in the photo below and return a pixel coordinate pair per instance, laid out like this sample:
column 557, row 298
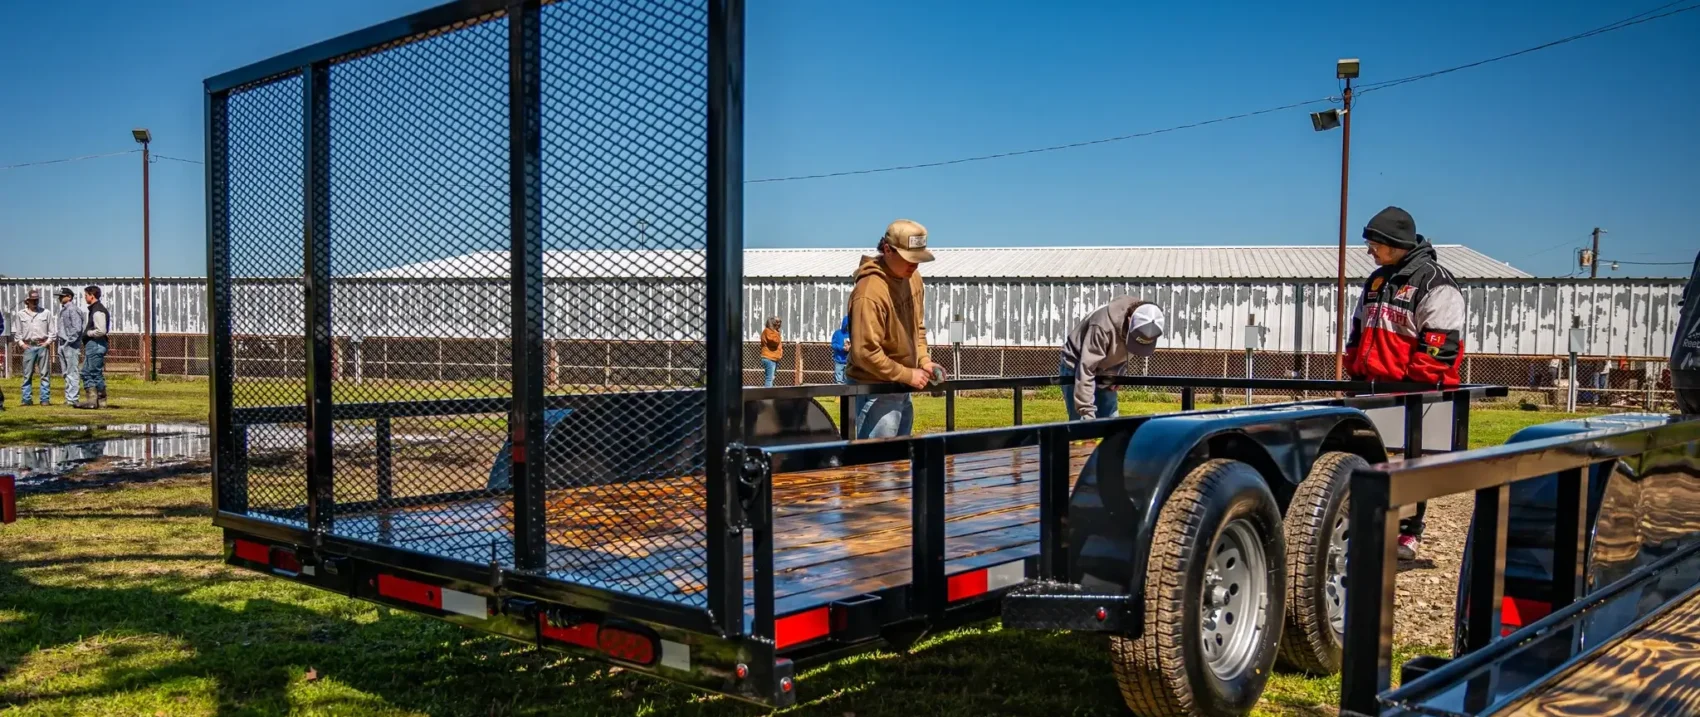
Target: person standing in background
column 888, row 330
column 94, row 350
column 32, row 329
column 68, row 337
column 772, row 349
column 841, row 351
column 1409, row 324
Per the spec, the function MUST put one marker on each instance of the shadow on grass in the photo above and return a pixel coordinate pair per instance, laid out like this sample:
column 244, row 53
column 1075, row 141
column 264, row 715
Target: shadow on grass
column 254, row 639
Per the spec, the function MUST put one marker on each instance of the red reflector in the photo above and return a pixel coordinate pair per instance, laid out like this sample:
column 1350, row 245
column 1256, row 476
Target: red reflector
column 8, row 499
column 582, row 634
column 253, row 552
column 801, row 627
column 966, row 585
column 285, row 560
column 1517, row 612
column 411, row 591
column 628, row 646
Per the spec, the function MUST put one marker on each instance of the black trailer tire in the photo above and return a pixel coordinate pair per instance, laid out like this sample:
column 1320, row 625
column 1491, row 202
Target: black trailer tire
column 1222, row 509
column 1316, row 532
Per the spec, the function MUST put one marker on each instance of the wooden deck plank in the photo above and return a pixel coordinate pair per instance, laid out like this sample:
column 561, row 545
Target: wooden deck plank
column 838, row 532
column 1655, row 671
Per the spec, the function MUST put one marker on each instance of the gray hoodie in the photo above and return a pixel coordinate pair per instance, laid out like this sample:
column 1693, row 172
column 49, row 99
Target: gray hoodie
column 1098, row 348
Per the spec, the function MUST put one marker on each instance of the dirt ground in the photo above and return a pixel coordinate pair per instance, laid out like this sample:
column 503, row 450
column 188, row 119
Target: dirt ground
column 1423, row 606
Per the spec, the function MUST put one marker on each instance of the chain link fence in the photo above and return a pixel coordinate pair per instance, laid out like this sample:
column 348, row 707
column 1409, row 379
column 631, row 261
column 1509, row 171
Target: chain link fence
column 1535, row 381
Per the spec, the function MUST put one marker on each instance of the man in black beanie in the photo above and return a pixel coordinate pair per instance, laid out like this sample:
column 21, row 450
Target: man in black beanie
column 1409, row 324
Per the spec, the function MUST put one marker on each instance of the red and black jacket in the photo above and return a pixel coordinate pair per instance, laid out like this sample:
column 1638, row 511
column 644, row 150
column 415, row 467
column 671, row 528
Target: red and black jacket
column 1409, row 325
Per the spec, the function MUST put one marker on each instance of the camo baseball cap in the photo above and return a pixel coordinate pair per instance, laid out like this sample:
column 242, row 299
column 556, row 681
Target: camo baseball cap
column 909, row 238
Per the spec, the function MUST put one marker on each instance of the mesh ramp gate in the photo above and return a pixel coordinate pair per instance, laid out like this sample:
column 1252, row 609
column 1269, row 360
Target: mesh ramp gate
column 543, row 155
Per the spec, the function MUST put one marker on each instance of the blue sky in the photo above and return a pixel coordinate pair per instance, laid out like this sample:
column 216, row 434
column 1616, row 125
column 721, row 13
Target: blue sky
column 1518, row 159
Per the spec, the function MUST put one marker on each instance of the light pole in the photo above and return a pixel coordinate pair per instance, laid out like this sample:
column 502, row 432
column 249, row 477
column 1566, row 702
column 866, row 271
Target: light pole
column 144, row 137
column 1344, row 69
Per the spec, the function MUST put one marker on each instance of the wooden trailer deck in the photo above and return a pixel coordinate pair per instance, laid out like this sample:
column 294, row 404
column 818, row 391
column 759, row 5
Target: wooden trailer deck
column 1653, row 671
column 838, row 532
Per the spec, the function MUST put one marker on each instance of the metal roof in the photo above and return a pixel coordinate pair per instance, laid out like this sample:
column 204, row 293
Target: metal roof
column 1215, row 263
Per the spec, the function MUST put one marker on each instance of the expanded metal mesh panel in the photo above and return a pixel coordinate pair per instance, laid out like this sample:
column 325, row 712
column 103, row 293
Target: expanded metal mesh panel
column 417, row 171
column 264, row 166
column 265, row 209
column 625, row 170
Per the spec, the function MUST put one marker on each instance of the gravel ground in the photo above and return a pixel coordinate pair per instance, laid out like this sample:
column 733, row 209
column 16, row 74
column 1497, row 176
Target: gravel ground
column 1427, row 585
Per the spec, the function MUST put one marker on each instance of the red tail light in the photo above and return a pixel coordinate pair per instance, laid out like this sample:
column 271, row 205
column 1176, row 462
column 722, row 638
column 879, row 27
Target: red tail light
column 285, row 560
column 1515, row 613
column 8, row 499
column 626, row 645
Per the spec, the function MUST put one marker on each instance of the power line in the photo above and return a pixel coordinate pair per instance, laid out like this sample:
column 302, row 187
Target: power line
column 1637, row 19
column 67, row 159
column 1645, row 263
column 1630, row 21
column 1037, row 150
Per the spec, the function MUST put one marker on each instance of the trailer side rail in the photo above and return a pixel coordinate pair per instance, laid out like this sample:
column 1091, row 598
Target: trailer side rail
column 1378, row 492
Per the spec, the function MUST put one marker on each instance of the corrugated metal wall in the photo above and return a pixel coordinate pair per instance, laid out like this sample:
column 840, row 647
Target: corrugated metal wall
column 1622, row 317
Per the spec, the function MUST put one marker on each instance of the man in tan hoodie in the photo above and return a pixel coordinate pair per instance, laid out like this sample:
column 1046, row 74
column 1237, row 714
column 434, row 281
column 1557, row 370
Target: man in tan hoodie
column 888, row 333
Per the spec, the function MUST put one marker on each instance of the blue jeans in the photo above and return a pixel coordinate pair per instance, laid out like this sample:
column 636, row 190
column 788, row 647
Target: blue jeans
column 838, row 373
column 71, row 364
column 884, row 416
column 35, row 362
column 94, row 367
column 1106, row 401
column 770, row 367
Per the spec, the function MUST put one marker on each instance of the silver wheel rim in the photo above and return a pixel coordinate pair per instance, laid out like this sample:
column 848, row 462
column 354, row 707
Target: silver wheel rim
column 1235, row 600
column 1334, row 589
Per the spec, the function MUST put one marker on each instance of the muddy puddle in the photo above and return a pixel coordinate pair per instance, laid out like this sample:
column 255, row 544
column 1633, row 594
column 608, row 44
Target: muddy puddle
column 144, row 446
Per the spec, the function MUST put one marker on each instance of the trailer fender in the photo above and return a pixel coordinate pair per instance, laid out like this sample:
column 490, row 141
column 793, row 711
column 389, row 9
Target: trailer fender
column 1113, row 510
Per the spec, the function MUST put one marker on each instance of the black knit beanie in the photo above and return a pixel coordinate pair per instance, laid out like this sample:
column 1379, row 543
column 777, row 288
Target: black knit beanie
column 1394, row 227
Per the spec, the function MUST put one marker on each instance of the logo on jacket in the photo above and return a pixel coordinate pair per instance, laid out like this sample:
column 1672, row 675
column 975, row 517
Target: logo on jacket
column 1375, row 284
column 1405, row 293
column 1434, row 338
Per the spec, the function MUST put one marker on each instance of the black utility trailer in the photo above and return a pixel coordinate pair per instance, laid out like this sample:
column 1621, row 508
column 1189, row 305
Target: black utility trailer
column 555, row 188
column 1579, row 592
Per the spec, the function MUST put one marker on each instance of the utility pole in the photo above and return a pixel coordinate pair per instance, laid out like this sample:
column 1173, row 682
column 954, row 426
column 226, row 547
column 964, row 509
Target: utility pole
column 1340, row 287
column 1594, row 266
column 144, row 137
column 1345, row 69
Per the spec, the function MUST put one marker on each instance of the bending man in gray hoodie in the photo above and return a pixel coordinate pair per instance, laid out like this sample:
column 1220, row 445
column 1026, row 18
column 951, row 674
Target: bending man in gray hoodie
column 1099, row 347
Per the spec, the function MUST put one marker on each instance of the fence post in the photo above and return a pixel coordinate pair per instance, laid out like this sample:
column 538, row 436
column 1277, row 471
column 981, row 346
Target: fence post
column 798, row 361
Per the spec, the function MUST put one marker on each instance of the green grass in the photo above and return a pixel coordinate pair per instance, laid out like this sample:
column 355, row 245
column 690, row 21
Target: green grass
column 129, row 401
column 113, row 601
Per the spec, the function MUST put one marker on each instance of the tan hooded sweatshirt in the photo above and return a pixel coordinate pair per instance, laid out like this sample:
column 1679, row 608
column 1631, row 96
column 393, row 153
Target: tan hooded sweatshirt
column 888, row 335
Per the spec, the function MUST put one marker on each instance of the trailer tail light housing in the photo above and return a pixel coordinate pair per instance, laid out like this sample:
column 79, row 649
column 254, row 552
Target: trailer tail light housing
column 282, row 560
column 622, row 641
column 626, row 645
column 8, row 500
column 1515, row 613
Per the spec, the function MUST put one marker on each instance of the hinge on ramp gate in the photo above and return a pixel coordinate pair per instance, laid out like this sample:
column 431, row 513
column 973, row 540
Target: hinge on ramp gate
column 752, row 469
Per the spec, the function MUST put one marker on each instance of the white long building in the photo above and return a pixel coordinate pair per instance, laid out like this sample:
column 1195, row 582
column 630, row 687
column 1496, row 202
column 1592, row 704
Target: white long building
column 1011, row 296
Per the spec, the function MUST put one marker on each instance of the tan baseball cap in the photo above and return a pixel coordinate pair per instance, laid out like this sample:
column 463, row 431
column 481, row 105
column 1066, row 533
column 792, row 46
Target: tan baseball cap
column 909, row 238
